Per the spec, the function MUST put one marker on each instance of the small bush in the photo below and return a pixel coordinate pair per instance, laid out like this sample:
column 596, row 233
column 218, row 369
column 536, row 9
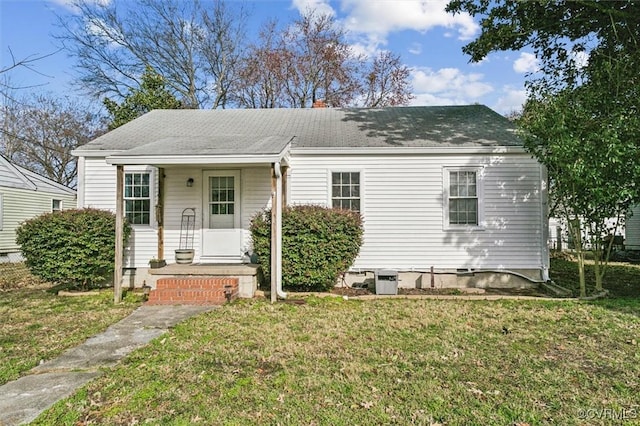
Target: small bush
column 318, row 244
column 72, row 247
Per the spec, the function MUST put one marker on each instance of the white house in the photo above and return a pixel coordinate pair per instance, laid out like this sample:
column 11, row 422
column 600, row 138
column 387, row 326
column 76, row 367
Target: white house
column 23, row 195
column 448, row 194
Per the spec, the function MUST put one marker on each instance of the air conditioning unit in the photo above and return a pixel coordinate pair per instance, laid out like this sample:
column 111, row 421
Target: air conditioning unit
column 386, row 281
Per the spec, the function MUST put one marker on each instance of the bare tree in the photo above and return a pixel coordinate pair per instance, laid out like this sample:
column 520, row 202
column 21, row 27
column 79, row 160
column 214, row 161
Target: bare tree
column 262, row 74
column 311, row 60
column 194, row 46
column 387, row 83
column 40, row 132
column 7, row 88
column 319, row 62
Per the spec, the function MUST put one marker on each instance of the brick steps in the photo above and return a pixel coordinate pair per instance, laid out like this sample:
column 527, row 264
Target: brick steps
column 193, row 291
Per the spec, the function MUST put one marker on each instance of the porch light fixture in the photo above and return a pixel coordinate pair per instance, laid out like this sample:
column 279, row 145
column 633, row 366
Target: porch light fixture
column 189, row 182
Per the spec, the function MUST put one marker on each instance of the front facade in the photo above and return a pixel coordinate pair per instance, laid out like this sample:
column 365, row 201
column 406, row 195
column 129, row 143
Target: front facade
column 24, row 195
column 446, row 193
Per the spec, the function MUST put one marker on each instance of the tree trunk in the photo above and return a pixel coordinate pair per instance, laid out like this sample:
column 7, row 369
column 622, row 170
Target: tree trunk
column 574, row 230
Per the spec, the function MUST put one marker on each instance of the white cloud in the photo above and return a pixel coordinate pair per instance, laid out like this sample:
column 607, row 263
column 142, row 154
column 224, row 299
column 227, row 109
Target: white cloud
column 69, row 4
column 527, row 62
column 320, row 6
column 422, row 99
column 384, row 16
column 370, row 22
column 447, row 86
column 415, row 49
column 512, row 99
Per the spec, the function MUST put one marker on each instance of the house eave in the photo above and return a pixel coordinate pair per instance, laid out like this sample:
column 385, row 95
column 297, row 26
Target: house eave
column 409, row 150
column 95, row 152
column 168, row 160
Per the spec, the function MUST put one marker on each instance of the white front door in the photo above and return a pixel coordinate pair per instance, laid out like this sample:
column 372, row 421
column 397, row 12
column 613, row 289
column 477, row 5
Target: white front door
column 221, row 232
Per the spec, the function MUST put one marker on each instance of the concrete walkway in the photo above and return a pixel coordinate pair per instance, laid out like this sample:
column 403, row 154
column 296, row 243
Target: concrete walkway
column 22, row 400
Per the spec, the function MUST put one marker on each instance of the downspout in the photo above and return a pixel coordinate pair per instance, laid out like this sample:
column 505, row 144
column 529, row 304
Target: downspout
column 278, row 245
column 544, row 221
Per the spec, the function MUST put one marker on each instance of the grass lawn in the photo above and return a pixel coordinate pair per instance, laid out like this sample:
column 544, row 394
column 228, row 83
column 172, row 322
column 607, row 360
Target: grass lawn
column 345, row 362
column 35, row 324
column 621, row 279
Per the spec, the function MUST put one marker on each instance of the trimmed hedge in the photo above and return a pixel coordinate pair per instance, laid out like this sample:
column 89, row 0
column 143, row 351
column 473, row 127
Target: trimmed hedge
column 318, row 244
column 71, row 247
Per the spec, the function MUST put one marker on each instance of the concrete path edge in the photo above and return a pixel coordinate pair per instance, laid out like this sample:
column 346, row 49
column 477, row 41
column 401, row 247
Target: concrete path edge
column 24, row 399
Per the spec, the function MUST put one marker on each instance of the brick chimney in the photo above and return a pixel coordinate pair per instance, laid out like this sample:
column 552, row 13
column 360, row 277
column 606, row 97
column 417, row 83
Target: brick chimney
column 319, row 104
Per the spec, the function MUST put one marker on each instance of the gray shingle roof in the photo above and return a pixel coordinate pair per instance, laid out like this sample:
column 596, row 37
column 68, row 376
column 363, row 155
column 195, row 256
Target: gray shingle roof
column 14, row 176
column 264, row 131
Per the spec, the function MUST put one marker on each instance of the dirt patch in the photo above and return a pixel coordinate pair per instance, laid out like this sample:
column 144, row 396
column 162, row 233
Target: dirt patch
column 351, row 291
column 16, row 275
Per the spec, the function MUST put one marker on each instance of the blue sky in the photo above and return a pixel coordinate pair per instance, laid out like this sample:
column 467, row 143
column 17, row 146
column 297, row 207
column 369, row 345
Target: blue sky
column 428, row 40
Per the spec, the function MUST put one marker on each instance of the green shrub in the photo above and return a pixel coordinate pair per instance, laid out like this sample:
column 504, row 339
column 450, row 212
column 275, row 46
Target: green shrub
column 318, row 244
column 71, row 247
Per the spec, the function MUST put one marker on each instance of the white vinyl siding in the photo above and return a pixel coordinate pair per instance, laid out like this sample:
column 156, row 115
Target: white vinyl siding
column 255, row 196
column 19, row 205
column 404, row 202
column 99, row 192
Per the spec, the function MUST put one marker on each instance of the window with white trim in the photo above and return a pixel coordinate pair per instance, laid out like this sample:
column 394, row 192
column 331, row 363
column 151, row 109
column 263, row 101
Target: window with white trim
column 1, row 210
column 463, row 197
column 137, row 197
column 345, row 190
column 56, row 205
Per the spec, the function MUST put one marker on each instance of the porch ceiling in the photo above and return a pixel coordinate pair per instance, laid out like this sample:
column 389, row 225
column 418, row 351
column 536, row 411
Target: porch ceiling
column 216, row 149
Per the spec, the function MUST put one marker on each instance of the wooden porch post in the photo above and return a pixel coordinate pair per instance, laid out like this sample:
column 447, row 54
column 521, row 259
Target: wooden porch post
column 160, row 213
column 117, row 273
column 274, row 257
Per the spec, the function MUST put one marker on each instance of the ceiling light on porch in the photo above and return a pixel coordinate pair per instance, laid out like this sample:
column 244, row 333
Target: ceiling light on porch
column 189, row 182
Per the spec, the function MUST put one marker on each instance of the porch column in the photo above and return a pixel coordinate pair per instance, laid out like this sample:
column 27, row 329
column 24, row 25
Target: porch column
column 274, row 257
column 160, row 213
column 117, row 273
column 276, row 233
column 285, row 183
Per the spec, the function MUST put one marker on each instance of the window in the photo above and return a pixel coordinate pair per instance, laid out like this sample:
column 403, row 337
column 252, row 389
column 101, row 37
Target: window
column 1, row 211
column 463, row 200
column 56, row 205
column 345, row 190
column 137, row 198
column 222, row 197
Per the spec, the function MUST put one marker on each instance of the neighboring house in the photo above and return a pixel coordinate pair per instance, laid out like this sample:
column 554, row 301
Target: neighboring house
column 560, row 238
column 448, row 194
column 632, row 230
column 23, row 195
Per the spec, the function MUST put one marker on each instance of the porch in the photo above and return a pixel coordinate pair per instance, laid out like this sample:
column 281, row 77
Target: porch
column 223, row 187
column 201, row 283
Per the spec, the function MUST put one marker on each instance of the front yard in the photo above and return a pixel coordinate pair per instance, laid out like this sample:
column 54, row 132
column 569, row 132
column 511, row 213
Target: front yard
column 335, row 361
column 343, row 362
column 35, row 324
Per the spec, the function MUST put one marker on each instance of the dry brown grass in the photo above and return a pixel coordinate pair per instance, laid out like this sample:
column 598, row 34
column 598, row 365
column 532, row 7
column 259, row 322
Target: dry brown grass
column 16, row 275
